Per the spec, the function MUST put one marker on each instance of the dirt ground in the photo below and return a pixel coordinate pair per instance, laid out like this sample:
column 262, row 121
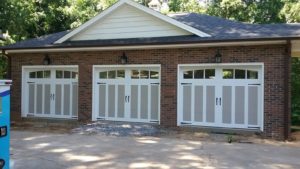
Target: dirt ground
column 296, row 136
column 175, row 133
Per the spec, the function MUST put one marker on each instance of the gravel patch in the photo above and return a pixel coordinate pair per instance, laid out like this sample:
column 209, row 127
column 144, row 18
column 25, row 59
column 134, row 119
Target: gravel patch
column 119, row 129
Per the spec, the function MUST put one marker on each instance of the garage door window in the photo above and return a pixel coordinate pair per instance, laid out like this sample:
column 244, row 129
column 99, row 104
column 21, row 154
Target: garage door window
column 154, row 75
column 112, row 74
column 40, row 74
column 120, row 74
column 239, row 74
column 199, row 74
column 228, row 73
column 66, row 74
column 252, row 74
column 144, row 74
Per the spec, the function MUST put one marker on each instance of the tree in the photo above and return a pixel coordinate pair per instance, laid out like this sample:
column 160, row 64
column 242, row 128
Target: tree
column 267, row 11
column 291, row 11
column 186, row 6
column 295, row 91
column 175, row 5
column 230, row 9
column 252, row 11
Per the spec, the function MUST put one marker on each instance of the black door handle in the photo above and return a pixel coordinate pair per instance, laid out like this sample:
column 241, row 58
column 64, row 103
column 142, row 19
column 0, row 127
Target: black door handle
column 220, row 101
column 216, row 101
column 125, row 99
column 128, row 99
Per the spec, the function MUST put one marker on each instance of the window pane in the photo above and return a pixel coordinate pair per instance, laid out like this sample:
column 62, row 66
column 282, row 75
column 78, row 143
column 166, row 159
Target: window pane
column 40, row 74
column 47, row 74
column 67, row 74
column 209, row 73
column 154, row 75
column 135, row 74
column 59, row 74
column 144, row 74
column 199, row 74
column 74, row 75
column 188, row 74
column 32, row 75
column 103, row 75
column 252, row 74
column 240, row 74
column 227, row 73
column 121, row 74
column 112, row 74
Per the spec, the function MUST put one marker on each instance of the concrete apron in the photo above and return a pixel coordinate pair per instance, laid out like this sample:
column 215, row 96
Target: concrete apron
column 75, row 151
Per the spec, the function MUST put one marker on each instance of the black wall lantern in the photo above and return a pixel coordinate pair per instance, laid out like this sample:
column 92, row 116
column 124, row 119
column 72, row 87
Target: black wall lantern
column 46, row 60
column 124, row 58
column 218, row 57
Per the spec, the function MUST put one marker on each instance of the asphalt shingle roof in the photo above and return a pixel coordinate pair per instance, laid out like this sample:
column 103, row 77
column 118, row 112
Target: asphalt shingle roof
column 220, row 30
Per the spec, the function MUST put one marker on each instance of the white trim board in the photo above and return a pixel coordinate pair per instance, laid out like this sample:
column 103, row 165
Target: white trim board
column 24, row 100
column 139, row 7
column 95, row 95
column 258, row 65
column 109, row 48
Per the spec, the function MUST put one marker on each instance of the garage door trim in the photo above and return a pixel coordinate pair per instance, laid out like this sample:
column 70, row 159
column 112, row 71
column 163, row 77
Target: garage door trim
column 24, row 100
column 222, row 65
column 94, row 96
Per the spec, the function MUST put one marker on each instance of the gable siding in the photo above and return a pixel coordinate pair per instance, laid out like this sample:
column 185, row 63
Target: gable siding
column 128, row 22
column 296, row 48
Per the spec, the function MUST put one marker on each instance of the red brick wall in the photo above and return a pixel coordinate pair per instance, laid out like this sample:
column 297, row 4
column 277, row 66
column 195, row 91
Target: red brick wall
column 273, row 56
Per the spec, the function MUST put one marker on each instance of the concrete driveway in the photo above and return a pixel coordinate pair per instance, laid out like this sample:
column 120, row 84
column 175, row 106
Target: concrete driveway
column 34, row 150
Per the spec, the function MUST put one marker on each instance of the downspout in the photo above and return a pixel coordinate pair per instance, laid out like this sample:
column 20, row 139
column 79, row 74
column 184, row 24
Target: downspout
column 287, row 95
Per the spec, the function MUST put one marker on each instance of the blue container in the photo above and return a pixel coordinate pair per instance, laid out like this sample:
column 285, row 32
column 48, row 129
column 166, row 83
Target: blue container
column 4, row 123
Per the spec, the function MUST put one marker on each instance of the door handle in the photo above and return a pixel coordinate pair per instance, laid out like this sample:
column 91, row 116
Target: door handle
column 216, row 101
column 125, row 99
column 50, row 96
column 220, row 101
column 53, row 96
column 128, row 99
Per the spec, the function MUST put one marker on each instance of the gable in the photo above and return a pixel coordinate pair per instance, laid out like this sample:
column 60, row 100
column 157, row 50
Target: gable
column 127, row 19
column 128, row 22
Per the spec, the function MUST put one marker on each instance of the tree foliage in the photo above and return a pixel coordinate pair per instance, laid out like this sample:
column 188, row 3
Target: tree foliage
column 186, row 6
column 230, row 9
column 291, row 11
column 296, row 91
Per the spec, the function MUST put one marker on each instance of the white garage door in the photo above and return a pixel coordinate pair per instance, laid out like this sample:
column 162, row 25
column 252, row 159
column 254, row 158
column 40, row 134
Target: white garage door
column 50, row 92
column 127, row 93
column 221, row 96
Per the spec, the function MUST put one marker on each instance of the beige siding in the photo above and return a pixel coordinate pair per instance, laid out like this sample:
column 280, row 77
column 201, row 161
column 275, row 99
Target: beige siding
column 296, row 48
column 128, row 22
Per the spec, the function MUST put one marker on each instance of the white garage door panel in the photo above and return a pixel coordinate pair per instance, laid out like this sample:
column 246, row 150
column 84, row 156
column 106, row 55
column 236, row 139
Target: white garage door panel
column 126, row 93
column 50, row 91
column 199, row 99
column 220, row 96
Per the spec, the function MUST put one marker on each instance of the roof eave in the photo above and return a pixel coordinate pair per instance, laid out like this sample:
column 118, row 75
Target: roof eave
column 208, row 43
